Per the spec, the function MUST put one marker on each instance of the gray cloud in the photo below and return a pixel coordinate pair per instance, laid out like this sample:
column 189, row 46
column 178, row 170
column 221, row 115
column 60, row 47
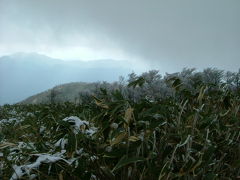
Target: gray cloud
column 166, row 34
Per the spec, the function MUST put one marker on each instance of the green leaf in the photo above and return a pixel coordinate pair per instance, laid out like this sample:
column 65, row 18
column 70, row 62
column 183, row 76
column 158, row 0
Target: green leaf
column 125, row 161
column 139, row 82
column 107, row 172
column 210, row 176
column 119, row 138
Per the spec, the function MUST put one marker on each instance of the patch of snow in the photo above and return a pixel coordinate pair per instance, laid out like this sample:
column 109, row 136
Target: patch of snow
column 20, row 171
column 30, row 114
column 80, row 125
column 79, row 152
column 16, row 151
column 93, row 158
column 77, row 123
column 23, row 145
column 9, row 121
column 13, row 112
column 61, row 143
column 15, row 155
column 42, row 128
column 93, row 177
column 91, row 131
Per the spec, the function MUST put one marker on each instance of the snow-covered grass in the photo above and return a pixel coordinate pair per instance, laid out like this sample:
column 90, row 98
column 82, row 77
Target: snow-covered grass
column 80, row 126
column 191, row 136
column 20, row 171
column 41, row 140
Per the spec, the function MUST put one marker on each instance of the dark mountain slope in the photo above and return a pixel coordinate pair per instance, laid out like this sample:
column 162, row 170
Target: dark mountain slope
column 66, row 92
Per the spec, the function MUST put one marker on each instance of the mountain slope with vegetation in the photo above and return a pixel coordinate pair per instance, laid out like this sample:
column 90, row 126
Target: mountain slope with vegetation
column 61, row 93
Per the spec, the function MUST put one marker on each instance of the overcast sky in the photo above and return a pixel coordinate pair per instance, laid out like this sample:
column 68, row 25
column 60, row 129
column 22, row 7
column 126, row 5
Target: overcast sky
column 164, row 34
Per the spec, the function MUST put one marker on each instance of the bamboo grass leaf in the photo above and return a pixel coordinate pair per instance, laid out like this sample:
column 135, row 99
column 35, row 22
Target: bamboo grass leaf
column 125, row 161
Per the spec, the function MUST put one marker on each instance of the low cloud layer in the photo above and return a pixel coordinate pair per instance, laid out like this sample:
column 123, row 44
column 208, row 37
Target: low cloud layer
column 168, row 35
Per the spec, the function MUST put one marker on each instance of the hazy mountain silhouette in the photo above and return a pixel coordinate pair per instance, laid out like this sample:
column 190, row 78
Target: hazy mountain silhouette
column 65, row 92
column 26, row 74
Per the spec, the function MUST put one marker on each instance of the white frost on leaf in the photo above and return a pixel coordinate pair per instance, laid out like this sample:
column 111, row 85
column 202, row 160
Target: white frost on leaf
column 79, row 152
column 61, row 143
column 76, row 123
column 20, row 171
column 42, row 129
column 91, row 131
column 29, row 145
column 29, row 114
column 80, row 125
column 93, row 158
column 10, row 121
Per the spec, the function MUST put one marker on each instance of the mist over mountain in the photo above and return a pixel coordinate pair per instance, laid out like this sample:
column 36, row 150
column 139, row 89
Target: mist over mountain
column 25, row 74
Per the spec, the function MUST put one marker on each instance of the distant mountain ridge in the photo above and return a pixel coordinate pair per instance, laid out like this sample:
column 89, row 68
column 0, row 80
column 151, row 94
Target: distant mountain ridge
column 26, row 74
column 68, row 92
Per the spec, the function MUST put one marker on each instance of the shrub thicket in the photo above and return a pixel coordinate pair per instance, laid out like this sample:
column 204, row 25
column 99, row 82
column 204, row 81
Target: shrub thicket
column 192, row 134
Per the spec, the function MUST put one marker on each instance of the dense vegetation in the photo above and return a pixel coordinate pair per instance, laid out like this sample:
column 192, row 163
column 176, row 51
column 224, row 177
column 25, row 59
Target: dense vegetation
column 189, row 128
